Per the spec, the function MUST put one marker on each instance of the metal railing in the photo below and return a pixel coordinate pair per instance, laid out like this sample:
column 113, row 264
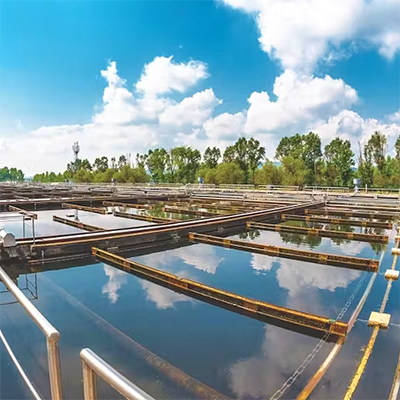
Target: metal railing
column 93, row 365
column 30, row 287
column 52, row 339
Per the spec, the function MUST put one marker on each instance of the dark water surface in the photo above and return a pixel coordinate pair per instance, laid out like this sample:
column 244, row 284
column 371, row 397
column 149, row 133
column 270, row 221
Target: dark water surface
column 146, row 331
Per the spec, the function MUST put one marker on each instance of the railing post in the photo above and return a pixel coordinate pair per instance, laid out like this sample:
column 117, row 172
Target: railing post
column 33, row 230
column 52, row 335
column 89, row 382
column 53, row 355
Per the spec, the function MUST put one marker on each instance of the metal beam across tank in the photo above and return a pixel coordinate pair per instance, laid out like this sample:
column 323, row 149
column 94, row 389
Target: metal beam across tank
column 23, row 212
column 244, row 202
column 201, row 291
column 77, row 224
column 364, row 207
column 363, row 264
column 148, row 218
column 134, row 238
column 166, row 207
column 46, row 203
column 190, row 212
column 224, row 207
column 393, row 202
column 84, row 208
column 349, row 213
column 337, row 221
column 127, row 205
column 364, row 237
column 214, row 206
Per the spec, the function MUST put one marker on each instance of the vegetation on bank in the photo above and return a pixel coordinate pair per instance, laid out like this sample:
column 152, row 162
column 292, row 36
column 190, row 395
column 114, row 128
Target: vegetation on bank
column 11, row 174
column 301, row 162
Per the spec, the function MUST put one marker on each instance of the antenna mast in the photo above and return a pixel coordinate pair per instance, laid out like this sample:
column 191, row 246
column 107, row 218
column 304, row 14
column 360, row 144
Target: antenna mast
column 75, row 149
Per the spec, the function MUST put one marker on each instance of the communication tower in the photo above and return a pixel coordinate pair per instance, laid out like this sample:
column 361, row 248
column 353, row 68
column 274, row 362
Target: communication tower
column 75, row 149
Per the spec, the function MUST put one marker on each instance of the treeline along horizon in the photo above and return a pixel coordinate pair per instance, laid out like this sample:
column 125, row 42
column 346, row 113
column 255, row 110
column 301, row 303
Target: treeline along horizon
column 302, row 161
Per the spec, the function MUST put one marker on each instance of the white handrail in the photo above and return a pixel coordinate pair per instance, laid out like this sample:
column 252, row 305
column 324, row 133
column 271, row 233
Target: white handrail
column 92, row 364
column 52, row 335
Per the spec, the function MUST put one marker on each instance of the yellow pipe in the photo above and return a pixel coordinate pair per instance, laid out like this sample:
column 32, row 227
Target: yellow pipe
column 363, row 363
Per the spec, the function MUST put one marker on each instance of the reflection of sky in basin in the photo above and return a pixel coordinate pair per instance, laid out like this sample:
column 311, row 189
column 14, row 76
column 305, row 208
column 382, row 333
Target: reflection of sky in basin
column 45, row 226
column 308, row 287
column 238, row 356
column 217, row 347
column 110, row 222
column 319, row 244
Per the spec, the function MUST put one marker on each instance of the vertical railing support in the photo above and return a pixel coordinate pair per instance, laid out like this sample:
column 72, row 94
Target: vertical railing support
column 53, row 355
column 33, row 230
column 89, row 382
column 93, row 365
column 52, row 335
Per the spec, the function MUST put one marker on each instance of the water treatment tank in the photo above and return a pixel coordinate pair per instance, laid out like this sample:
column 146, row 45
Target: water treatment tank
column 7, row 239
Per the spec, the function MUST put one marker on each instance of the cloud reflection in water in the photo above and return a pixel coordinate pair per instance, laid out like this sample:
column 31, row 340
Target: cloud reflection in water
column 116, row 279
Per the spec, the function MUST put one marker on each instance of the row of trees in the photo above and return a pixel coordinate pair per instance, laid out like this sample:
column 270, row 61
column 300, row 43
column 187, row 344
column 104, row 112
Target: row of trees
column 301, row 161
column 11, row 174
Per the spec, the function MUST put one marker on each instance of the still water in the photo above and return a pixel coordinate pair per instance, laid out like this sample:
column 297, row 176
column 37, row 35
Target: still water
column 154, row 335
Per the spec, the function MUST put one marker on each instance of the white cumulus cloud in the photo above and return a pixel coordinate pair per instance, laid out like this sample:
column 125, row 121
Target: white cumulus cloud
column 193, row 111
column 225, row 126
column 162, row 75
column 300, row 99
column 395, row 117
column 349, row 125
column 300, row 33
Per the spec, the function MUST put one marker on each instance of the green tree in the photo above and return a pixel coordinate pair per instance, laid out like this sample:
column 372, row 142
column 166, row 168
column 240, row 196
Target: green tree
column 156, row 162
column 141, row 160
column 229, row 173
column 101, row 164
column 12, row 174
column 377, row 147
column 269, row 174
column 131, row 175
column 85, row 164
column 211, row 157
column 294, row 171
column 290, row 146
column 210, row 176
column 392, row 172
column 304, row 147
column 255, row 155
column 104, row 177
column 185, row 163
column 247, row 154
column 122, row 161
column 339, row 161
column 229, row 155
column 241, row 152
column 365, row 167
column 16, row 175
column 380, row 179
column 397, row 148
column 83, row 175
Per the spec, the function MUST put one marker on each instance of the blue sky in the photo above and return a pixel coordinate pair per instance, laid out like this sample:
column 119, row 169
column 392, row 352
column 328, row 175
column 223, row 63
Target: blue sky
column 335, row 75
